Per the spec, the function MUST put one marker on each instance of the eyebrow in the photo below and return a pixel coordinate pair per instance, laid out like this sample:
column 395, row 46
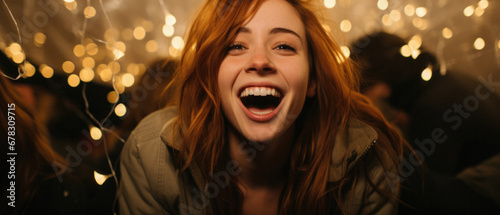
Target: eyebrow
column 273, row 31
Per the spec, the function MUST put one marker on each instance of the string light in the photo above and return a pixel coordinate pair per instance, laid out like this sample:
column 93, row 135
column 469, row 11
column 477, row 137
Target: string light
column 88, row 62
column 47, row 71
column 177, row 42
column 421, row 11
column 405, row 51
column 447, row 33
column 483, row 4
column 468, row 11
column 479, row 43
column 95, row 133
column 79, row 50
column 345, row 25
column 382, row 4
column 395, row 15
column 170, row 19
column 73, row 80
column 39, row 39
column 479, row 11
column 386, row 20
column 151, row 46
column 29, row 69
column 427, row 73
column 89, row 12
column 415, row 42
column 100, row 179
column 128, row 80
column 409, row 10
column 112, row 97
column 329, row 3
column 120, row 110
column 86, row 75
column 345, row 50
column 139, row 33
column 168, row 30
column 92, row 49
column 68, row 67
column 70, row 5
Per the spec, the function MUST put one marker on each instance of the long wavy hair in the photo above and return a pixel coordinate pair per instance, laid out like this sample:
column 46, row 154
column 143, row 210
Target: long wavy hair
column 34, row 152
column 202, row 126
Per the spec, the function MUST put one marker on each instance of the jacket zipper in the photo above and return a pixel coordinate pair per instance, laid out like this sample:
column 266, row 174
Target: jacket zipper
column 352, row 165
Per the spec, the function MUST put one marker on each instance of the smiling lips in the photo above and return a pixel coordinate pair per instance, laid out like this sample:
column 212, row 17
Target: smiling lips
column 261, row 103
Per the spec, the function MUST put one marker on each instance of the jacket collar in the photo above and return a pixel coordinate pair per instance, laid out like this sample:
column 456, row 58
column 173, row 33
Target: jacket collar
column 347, row 151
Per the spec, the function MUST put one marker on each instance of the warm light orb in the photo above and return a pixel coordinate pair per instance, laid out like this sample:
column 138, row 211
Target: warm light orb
column 89, row 12
column 68, row 67
column 329, row 3
column 427, row 74
column 177, row 42
column 345, row 25
column 395, row 15
column 39, row 39
column 170, row 19
column 415, row 42
column 95, row 133
column 139, row 33
column 79, row 50
column 168, row 30
column 345, row 51
column 47, row 71
column 468, row 11
column 29, row 69
column 87, row 75
column 151, row 46
column 483, row 4
column 421, row 11
column 88, row 62
column 382, row 4
column 112, row 97
column 73, row 80
column 128, row 80
column 447, row 33
column 120, row 110
column 405, row 51
column 479, row 43
column 409, row 10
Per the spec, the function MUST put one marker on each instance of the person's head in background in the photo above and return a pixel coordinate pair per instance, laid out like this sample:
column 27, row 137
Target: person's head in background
column 392, row 81
column 232, row 44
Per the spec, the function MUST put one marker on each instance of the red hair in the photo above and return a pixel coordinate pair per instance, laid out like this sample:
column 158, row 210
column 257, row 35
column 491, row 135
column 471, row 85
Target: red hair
column 202, row 125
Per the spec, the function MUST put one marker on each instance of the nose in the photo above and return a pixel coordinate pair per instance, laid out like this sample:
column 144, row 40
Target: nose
column 260, row 62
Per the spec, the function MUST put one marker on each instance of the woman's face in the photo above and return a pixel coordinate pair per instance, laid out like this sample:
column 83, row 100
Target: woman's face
column 264, row 78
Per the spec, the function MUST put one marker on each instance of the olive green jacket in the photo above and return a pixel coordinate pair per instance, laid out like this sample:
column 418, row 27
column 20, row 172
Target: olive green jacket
column 151, row 184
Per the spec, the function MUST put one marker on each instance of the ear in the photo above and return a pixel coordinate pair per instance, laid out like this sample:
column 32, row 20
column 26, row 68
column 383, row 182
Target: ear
column 311, row 88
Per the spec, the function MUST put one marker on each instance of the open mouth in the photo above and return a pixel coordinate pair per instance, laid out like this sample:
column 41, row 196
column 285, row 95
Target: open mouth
column 261, row 100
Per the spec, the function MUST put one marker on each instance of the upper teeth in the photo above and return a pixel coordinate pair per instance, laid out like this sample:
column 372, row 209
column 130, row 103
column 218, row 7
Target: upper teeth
column 260, row 91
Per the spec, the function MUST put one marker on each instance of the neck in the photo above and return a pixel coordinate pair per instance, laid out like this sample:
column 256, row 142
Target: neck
column 264, row 165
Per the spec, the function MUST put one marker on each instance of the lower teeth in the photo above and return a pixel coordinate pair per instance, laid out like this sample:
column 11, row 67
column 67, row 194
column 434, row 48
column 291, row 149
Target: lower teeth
column 261, row 112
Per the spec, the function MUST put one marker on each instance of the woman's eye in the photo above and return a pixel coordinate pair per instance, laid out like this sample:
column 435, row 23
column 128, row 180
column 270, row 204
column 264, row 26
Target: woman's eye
column 237, row 46
column 285, row 47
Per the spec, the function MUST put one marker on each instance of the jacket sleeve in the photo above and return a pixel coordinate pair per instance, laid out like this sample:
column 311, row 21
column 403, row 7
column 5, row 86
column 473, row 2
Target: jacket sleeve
column 134, row 195
column 368, row 198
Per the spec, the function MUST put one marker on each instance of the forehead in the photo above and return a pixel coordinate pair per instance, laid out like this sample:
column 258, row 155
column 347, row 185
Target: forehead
column 276, row 13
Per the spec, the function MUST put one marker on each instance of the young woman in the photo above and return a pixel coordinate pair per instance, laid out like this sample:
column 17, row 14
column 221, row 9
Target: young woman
column 268, row 121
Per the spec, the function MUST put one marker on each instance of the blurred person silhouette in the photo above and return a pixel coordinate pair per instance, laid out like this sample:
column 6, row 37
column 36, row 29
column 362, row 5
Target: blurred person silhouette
column 451, row 120
column 37, row 189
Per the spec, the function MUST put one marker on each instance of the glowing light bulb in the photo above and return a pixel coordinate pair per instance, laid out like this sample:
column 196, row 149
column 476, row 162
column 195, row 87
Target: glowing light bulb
column 128, row 80
column 151, row 46
column 112, row 97
column 447, row 33
column 382, row 4
column 68, row 67
column 427, row 74
column 73, row 80
column 329, row 3
column 479, row 43
column 405, row 51
column 95, row 133
column 139, row 33
column 177, row 42
column 421, row 11
column 345, row 25
column 409, row 10
column 87, row 75
column 345, row 50
column 170, row 19
column 120, row 110
column 47, row 71
column 89, row 12
column 395, row 15
column 100, row 179
column 468, row 11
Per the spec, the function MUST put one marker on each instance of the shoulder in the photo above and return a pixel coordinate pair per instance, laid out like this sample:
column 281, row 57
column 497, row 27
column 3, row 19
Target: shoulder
column 152, row 125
